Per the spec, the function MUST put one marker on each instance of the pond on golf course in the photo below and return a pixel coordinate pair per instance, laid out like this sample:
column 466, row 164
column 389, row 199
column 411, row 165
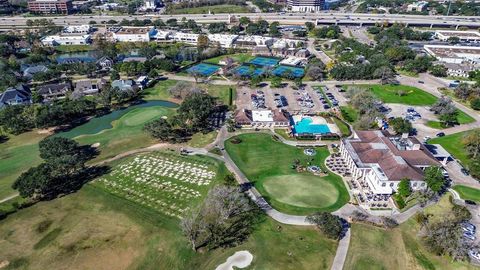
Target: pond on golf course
column 100, row 123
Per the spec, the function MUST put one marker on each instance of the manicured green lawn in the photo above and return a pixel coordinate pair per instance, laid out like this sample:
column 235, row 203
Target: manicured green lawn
column 453, row 144
column 126, row 132
column 399, row 248
column 213, row 9
column 268, row 164
column 73, row 48
column 99, row 230
column 462, row 118
column 160, row 91
column 202, row 140
column 344, row 128
column 17, row 155
column 411, row 95
column 349, row 114
column 239, row 57
column 468, row 193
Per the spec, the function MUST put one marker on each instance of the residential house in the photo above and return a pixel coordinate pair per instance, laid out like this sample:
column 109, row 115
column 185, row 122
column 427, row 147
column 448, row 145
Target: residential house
column 54, row 91
column 104, row 63
column 89, row 87
column 20, row 94
column 125, row 85
column 32, row 70
column 459, row 70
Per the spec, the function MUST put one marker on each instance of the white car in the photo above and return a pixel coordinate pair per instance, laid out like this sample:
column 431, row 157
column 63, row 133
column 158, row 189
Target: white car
column 474, row 254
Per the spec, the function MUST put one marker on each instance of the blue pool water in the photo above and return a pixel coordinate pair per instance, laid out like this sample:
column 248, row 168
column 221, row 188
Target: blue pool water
column 246, row 71
column 204, row 69
column 306, row 126
column 297, row 72
column 264, row 61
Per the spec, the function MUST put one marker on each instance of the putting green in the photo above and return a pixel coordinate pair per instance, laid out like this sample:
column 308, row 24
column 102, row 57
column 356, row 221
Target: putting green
column 141, row 116
column 301, row 190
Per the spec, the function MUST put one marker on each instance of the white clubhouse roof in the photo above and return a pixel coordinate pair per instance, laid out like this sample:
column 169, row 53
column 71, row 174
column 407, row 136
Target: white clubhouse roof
column 262, row 116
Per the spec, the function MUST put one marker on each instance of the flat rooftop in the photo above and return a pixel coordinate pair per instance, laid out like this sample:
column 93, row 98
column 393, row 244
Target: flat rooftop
column 133, row 31
column 452, row 51
column 460, row 34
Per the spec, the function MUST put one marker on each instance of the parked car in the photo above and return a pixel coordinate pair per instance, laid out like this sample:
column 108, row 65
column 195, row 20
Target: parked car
column 469, row 236
column 465, row 172
column 440, row 134
column 474, row 254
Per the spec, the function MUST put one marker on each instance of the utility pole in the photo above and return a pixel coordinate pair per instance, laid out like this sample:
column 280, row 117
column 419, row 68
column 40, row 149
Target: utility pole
column 449, row 4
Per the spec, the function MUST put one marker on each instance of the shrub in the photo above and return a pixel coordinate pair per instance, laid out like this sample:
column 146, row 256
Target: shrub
column 475, row 104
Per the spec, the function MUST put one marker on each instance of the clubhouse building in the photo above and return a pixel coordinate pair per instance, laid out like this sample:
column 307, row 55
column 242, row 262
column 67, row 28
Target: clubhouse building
column 381, row 160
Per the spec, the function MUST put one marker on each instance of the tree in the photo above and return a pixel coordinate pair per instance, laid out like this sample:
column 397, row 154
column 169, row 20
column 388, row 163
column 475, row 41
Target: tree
column 225, row 218
column 434, row 179
column 453, row 40
column 446, row 110
column 438, row 70
column 230, row 180
column 475, row 103
column 195, row 110
column 401, row 125
column 445, row 238
column 114, row 75
column 316, row 73
column 309, row 26
column 255, row 80
column 384, row 73
column 244, row 21
column 276, row 82
column 463, row 91
column 273, row 30
column 404, row 189
column 202, row 41
column 471, row 143
column 17, row 119
column 329, row 224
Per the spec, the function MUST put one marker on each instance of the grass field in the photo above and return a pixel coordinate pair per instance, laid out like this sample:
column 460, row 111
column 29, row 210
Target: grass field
column 212, row 9
column 399, row 248
column 160, row 91
column 268, row 164
column 462, row 118
column 95, row 229
column 239, row 57
column 73, row 48
column 453, row 144
column 411, row 95
column 126, row 132
column 349, row 114
column 468, row 193
column 201, row 140
column 164, row 181
column 17, row 155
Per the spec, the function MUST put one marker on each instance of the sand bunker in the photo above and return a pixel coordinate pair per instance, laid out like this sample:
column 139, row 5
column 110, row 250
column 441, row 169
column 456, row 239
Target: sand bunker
column 240, row 259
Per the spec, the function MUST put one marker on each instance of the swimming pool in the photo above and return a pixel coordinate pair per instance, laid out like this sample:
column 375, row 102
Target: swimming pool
column 204, row 69
column 305, row 126
column 264, row 61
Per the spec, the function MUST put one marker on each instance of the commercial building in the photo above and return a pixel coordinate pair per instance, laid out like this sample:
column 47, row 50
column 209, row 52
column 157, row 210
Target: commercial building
column 66, row 39
column 463, row 36
column 305, row 5
column 454, row 54
column 77, row 29
column 50, row 6
column 262, row 118
column 460, row 70
column 382, row 160
column 134, row 34
column 417, row 6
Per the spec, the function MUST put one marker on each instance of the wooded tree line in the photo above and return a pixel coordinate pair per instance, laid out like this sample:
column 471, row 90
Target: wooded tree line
column 63, row 170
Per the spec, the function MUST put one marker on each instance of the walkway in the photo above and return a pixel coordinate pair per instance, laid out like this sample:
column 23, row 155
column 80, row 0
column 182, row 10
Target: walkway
column 342, row 251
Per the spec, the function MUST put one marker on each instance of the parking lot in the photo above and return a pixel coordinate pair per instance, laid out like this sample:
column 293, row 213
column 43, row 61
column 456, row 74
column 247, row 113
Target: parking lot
column 305, row 100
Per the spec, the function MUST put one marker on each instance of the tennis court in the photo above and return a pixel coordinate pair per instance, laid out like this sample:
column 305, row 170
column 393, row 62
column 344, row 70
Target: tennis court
column 246, row 71
column 204, row 69
column 295, row 71
column 264, row 61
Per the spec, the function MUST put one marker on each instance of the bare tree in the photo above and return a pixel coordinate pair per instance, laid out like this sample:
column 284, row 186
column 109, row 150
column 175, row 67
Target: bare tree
column 224, row 219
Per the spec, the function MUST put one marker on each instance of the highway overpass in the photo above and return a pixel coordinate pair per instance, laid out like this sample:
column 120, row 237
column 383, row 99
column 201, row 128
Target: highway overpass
column 323, row 18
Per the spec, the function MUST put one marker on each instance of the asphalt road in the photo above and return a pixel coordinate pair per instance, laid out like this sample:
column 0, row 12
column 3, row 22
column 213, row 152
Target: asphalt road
column 290, row 18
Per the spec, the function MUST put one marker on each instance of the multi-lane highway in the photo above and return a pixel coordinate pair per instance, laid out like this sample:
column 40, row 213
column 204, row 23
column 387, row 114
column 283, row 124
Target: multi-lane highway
column 289, row 18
